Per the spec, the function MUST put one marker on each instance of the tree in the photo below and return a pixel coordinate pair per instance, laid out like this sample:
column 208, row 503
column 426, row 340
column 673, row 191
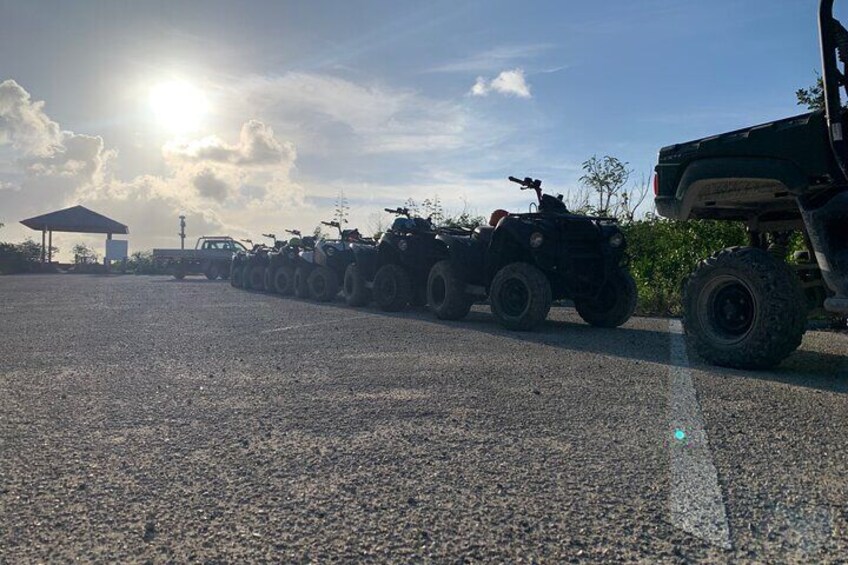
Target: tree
column 606, row 177
column 83, row 254
column 318, row 233
column 813, row 97
column 342, row 209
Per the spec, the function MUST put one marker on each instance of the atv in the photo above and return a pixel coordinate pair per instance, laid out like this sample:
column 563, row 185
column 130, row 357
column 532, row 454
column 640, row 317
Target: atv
column 255, row 263
column 282, row 262
column 395, row 270
column 522, row 262
column 747, row 307
column 303, row 265
column 331, row 258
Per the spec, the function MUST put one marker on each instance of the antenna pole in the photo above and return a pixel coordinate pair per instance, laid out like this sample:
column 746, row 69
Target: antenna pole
column 182, row 232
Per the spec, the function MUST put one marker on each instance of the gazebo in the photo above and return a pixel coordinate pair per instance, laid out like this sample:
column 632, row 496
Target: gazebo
column 77, row 219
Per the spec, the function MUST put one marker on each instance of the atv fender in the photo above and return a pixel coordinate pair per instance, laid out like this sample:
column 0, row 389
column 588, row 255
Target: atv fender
column 366, row 261
column 467, row 256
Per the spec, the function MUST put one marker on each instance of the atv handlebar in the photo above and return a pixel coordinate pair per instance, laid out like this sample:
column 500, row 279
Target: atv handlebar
column 398, row 211
column 294, row 232
column 529, row 183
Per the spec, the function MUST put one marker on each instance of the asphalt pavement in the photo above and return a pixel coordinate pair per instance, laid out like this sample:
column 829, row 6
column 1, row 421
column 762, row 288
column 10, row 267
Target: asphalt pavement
column 144, row 419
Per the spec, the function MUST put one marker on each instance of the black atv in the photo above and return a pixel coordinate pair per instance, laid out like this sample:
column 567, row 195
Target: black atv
column 255, row 264
column 282, row 262
column 331, row 259
column 303, row 265
column 395, row 270
column 525, row 261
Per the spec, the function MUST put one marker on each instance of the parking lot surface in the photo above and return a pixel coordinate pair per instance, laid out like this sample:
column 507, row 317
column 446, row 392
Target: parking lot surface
column 148, row 419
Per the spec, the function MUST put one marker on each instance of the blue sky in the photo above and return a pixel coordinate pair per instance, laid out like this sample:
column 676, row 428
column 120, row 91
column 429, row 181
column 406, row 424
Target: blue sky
column 370, row 97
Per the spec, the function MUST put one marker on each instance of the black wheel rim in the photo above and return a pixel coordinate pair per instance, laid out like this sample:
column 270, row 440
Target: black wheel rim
column 728, row 309
column 514, row 296
column 438, row 291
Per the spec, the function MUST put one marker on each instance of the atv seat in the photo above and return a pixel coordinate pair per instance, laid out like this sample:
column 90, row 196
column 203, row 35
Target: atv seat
column 483, row 234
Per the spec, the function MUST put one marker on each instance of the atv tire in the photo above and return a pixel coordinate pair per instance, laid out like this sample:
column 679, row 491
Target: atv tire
column 301, row 288
column 355, row 291
column 283, row 281
column 267, row 281
column 520, row 297
column 323, row 284
column 236, row 276
column 254, row 277
column 615, row 303
column 743, row 308
column 446, row 295
column 392, row 288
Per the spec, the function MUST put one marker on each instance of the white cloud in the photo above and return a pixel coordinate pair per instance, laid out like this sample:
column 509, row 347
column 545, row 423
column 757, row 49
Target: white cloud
column 23, row 122
column 257, row 146
column 493, row 59
column 508, row 83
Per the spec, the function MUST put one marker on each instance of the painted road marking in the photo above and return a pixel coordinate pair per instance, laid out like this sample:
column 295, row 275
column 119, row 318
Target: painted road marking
column 324, row 323
column 696, row 502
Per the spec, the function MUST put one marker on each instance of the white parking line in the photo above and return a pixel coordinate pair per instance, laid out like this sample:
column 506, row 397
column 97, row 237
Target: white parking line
column 324, row 323
column 696, row 502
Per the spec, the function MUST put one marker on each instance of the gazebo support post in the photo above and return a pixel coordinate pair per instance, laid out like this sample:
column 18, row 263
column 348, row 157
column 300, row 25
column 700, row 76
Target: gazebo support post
column 43, row 242
column 50, row 247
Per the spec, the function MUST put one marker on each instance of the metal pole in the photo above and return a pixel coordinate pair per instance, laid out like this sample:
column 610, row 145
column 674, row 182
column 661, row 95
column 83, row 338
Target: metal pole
column 182, row 232
column 50, row 248
column 43, row 237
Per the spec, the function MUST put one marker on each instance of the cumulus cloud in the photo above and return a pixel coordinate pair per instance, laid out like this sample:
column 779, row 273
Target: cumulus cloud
column 508, row 83
column 209, row 185
column 23, row 122
column 256, row 146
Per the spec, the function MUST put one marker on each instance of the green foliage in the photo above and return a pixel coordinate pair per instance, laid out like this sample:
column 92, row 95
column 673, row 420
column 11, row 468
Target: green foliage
column 664, row 252
column 21, row 257
column 813, row 97
column 142, row 263
column 83, row 254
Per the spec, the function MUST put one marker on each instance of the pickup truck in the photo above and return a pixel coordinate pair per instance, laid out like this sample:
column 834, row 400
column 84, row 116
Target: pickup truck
column 211, row 256
column 747, row 307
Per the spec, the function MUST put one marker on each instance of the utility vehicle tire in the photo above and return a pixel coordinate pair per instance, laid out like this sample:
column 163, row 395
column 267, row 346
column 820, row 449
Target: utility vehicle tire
column 355, row 291
column 283, row 281
column 615, row 303
column 210, row 270
column 446, row 296
column 236, row 276
column 743, row 308
column 254, row 277
column 323, row 284
column 178, row 271
column 392, row 288
column 520, row 296
column 301, row 288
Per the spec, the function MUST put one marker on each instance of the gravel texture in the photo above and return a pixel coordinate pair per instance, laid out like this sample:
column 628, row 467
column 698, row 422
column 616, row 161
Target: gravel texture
column 147, row 419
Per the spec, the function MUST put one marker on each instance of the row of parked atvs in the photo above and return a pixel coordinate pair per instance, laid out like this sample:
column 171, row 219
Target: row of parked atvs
column 520, row 263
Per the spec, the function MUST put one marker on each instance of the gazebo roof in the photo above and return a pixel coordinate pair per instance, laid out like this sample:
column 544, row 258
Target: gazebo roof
column 77, row 219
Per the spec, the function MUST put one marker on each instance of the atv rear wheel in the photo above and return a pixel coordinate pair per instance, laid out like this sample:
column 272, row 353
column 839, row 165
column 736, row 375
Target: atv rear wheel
column 355, row 291
column 615, row 303
column 520, row 296
column 323, row 284
column 283, row 281
column 254, row 277
column 446, row 295
column 392, row 288
column 744, row 309
column 301, row 288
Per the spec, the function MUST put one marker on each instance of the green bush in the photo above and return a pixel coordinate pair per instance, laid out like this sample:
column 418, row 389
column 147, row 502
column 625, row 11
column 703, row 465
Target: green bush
column 664, row 252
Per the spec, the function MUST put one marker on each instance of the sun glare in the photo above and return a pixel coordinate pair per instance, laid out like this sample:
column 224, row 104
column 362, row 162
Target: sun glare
column 179, row 106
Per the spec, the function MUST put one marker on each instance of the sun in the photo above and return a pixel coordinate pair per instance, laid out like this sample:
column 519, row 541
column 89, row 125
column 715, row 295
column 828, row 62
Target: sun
column 178, row 106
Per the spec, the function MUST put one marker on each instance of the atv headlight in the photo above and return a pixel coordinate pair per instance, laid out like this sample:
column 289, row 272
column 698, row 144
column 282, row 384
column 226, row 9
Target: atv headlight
column 330, row 250
column 403, row 245
column 536, row 239
column 616, row 239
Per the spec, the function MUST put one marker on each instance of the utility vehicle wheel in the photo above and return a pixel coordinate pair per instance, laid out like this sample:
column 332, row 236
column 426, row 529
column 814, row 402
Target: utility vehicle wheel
column 236, row 276
column 520, row 296
column 301, row 288
column 614, row 305
column 323, row 284
column 178, row 271
column 743, row 308
column 211, row 272
column 446, row 296
column 254, row 277
column 392, row 288
column 283, row 281
column 355, row 291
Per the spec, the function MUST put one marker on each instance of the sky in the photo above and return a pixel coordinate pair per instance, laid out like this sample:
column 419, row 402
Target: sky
column 252, row 117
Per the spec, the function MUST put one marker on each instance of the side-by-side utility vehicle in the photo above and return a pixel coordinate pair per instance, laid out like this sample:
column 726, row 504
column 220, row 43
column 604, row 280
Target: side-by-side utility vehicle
column 522, row 262
column 746, row 307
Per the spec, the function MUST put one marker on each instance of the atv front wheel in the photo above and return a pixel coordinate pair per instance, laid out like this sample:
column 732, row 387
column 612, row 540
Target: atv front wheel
column 267, row 281
column 392, row 288
column 283, row 281
column 236, row 276
column 613, row 305
column 323, row 284
column 743, row 308
column 301, row 288
column 520, row 296
column 355, row 291
column 446, row 295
